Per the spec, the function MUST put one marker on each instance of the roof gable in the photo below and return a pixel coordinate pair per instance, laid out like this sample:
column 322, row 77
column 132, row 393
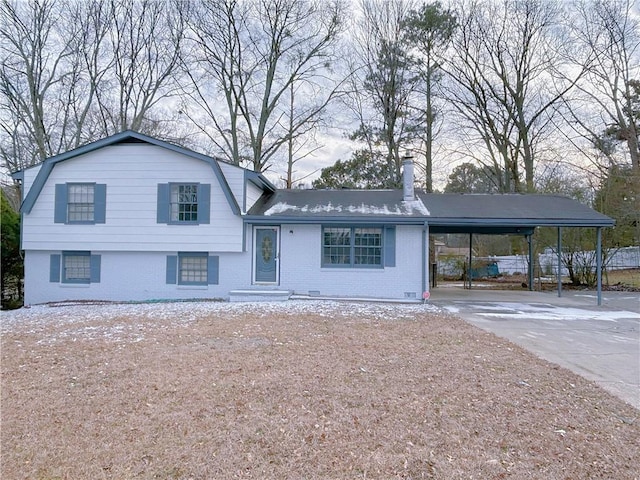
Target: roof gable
column 128, row 136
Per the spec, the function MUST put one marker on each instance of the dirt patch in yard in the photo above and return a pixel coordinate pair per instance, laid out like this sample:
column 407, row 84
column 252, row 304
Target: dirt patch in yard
column 298, row 390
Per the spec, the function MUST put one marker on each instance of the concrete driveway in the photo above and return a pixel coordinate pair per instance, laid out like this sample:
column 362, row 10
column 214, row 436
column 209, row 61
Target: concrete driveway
column 601, row 344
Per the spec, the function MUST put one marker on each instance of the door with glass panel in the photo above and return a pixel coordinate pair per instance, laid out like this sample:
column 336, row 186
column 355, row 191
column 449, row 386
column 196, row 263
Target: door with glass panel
column 266, row 255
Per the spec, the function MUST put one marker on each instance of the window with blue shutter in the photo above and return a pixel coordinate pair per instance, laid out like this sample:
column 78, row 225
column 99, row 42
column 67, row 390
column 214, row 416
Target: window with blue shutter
column 74, row 267
column 358, row 247
column 184, row 203
column 80, row 203
column 193, row 268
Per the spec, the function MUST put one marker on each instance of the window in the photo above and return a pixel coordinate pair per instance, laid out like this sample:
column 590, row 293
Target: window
column 337, row 246
column 82, row 203
column 192, row 268
column 75, row 267
column 184, row 203
column 367, row 246
column 352, row 247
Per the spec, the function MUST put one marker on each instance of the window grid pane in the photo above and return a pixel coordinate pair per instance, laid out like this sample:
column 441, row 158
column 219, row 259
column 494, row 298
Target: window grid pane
column 184, row 203
column 337, row 246
column 368, row 246
column 193, row 269
column 77, row 268
column 80, row 203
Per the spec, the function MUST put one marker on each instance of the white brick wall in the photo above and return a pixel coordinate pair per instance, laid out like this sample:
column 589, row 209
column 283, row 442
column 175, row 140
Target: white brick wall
column 130, row 276
column 301, row 271
column 142, row 275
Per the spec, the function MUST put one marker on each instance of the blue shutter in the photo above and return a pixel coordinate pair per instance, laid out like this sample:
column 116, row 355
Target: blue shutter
column 100, row 203
column 164, row 192
column 204, row 203
column 389, row 246
column 60, row 212
column 213, row 269
column 95, row 269
column 172, row 269
column 54, row 268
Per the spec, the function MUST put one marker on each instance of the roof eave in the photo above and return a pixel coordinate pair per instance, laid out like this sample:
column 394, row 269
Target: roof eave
column 523, row 222
column 342, row 220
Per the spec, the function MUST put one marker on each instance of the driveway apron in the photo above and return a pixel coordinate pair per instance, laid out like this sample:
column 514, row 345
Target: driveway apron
column 600, row 343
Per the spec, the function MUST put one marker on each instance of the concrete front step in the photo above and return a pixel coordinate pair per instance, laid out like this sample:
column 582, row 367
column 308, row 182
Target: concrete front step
column 259, row 295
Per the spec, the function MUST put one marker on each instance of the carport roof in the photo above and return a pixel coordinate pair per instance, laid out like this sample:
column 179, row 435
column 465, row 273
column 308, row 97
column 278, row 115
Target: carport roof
column 451, row 213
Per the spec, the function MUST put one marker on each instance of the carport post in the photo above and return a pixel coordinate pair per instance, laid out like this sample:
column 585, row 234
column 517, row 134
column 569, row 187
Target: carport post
column 530, row 263
column 559, row 273
column 599, row 263
column 470, row 258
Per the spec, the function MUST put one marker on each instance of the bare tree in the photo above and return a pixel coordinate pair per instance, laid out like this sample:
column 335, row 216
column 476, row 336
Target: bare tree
column 605, row 107
column 33, row 80
column 252, row 52
column 73, row 71
column 429, row 30
column 507, row 73
column 384, row 83
column 301, row 126
column 146, row 40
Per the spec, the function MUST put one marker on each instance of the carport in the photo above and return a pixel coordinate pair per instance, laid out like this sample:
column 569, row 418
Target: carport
column 515, row 214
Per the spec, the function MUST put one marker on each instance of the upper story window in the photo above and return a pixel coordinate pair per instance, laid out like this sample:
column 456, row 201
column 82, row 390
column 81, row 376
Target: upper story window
column 352, row 247
column 183, row 203
column 81, row 203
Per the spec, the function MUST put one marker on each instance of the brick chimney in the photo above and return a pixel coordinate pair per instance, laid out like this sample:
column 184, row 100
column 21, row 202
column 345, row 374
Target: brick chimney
column 407, row 179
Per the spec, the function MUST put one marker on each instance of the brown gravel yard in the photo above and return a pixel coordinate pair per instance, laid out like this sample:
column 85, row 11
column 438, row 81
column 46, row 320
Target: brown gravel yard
column 299, row 390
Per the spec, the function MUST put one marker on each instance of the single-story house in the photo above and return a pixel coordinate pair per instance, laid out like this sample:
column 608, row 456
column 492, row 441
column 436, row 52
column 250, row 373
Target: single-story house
column 134, row 218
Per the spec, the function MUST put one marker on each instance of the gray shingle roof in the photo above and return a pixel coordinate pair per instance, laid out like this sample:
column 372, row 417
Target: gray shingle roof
column 508, row 213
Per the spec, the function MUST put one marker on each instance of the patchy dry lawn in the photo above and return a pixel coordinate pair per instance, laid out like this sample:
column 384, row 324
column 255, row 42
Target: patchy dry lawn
column 624, row 278
column 299, row 390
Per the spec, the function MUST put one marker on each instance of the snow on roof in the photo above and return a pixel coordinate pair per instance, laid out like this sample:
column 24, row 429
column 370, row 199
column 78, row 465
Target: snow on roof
column 404, row 208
